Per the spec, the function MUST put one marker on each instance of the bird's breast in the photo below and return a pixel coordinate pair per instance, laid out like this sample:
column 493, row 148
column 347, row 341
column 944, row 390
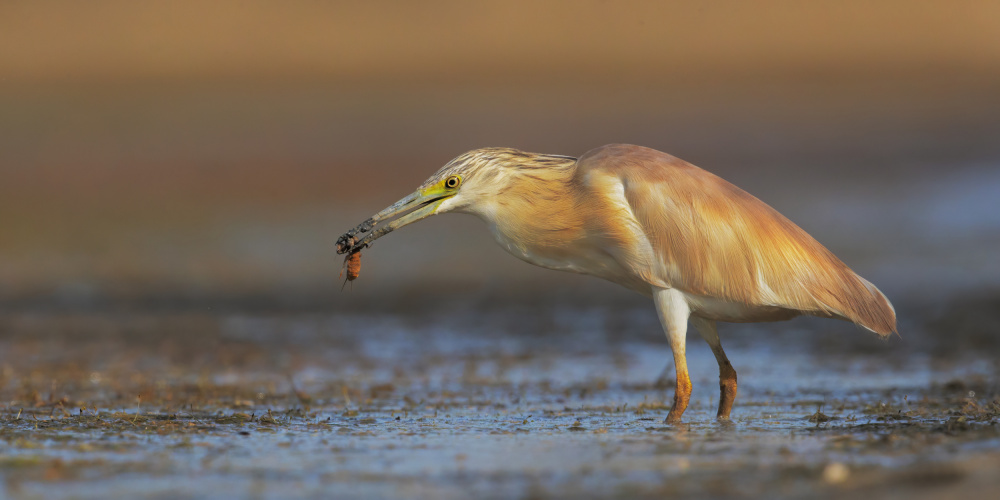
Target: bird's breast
column 558, row 227
column 574, row 251
column 548, row 251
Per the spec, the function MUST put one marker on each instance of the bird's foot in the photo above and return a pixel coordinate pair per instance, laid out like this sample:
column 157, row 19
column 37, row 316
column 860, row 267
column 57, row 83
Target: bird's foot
column 724, row 421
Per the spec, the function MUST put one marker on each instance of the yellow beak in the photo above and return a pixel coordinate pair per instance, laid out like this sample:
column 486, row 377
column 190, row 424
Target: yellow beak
column 418, row 205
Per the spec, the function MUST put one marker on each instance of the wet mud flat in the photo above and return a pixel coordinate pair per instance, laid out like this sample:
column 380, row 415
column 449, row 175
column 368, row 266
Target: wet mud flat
column 543, row 402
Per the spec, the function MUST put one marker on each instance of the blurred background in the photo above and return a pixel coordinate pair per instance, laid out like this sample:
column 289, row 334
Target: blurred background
column 210, row 153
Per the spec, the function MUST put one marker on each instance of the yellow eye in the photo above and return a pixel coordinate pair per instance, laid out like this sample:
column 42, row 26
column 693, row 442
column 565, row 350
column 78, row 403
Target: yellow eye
column 452, row 182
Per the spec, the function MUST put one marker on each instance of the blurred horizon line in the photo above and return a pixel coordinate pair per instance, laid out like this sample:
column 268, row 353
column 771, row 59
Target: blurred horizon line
column 844, row 76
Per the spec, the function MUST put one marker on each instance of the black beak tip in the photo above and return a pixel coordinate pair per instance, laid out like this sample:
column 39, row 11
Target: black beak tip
column 344, row 243
column 347, row 241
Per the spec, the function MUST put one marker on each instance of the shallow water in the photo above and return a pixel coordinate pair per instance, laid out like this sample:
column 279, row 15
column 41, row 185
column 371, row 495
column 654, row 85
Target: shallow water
column 547, row 402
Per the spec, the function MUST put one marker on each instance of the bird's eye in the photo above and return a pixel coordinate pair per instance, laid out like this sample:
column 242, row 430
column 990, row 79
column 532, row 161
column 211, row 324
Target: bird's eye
column 452, row 182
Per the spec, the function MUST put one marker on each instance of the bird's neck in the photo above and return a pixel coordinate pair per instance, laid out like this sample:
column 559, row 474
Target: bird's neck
column 536, row 212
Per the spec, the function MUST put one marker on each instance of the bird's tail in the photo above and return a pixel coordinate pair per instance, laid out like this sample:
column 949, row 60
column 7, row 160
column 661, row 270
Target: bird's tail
column 863, row 304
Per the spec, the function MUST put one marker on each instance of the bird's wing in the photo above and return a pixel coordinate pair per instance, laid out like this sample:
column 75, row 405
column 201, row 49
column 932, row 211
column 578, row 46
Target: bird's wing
column 711, row 238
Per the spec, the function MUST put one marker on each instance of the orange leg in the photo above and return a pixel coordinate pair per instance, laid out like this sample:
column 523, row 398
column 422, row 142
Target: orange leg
column 727, row 375
column 682, row 395
column 727, row 386
column 673, row 312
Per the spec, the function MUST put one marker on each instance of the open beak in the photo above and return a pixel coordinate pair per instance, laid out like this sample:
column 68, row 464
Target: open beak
column 418, row 205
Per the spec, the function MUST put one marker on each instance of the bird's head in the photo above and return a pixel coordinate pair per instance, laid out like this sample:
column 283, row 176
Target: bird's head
column 469, row 183
column 462, row 184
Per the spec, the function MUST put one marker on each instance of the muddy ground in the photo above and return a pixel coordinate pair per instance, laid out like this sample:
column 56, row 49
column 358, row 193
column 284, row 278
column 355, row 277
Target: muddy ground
column 511, row 401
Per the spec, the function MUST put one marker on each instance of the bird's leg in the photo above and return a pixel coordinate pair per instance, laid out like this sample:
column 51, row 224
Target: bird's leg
column 727, row 375
column 673, row 312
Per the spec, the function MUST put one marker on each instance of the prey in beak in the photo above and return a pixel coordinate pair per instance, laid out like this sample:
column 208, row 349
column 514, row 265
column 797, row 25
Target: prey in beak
column 419, row 205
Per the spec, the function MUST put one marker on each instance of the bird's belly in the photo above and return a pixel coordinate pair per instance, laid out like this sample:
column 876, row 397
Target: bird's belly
column 735, row 312
column 581, row 258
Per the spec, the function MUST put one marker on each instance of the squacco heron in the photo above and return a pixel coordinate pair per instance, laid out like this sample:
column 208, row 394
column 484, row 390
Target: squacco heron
column 703, row 249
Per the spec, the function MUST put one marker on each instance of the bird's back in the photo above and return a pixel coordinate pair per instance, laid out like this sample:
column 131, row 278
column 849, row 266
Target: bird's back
column 711, row 239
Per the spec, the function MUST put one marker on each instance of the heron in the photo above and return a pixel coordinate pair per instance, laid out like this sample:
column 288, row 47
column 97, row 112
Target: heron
column 703, row 249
